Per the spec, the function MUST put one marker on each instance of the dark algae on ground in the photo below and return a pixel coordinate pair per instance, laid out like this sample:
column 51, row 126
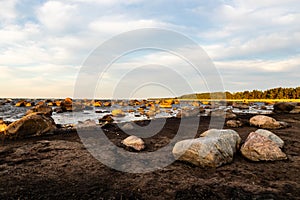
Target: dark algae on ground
column 58, row 166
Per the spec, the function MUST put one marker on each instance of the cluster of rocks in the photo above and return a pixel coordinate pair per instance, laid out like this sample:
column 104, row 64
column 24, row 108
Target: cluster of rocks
column 37, row 121
column 217, row 147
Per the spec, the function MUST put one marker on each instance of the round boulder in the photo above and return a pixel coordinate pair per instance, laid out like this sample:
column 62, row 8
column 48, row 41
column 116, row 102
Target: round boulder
column 283, row 107
column 261, row 148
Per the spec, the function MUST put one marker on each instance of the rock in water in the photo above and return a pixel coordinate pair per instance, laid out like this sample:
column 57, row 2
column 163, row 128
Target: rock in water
column 41, row 108
column 188, row 113
column 283, row 107
column 3, row 126
column 106, row 119
column 134, row 142
column 117, row 113
column 260, row 148
column 30, row 125
column 266, row 122
column 68, row 105
column 228, row 114
column 213, row 149
column 271, row 136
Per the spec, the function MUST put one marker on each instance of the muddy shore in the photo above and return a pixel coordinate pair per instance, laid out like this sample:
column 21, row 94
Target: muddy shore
column 59, row 167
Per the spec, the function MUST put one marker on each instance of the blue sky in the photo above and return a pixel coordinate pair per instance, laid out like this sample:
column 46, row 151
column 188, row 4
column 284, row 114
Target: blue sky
column 43, row 44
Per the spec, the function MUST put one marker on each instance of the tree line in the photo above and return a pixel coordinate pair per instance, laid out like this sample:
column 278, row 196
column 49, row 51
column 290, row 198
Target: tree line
column 275, row 93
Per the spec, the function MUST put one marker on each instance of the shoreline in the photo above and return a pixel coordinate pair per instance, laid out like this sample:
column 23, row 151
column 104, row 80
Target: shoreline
column 59, row 166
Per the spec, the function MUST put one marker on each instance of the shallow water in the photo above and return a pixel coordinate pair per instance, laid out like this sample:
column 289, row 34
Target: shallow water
column 11, row 113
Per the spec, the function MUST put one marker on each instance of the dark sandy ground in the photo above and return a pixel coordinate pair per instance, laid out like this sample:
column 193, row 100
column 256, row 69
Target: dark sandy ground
column 59, row 167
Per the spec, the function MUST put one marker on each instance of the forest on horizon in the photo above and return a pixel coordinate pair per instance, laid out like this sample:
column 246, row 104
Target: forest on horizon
column 274, row 93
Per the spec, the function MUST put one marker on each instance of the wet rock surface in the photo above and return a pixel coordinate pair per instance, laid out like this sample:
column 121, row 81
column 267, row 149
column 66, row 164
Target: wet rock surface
column 59, row 167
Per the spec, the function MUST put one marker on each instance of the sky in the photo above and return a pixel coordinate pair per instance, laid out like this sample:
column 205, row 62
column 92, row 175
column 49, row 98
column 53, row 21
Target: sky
column 45, row 44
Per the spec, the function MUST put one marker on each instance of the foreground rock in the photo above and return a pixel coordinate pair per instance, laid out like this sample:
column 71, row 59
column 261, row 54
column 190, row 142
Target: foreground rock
column 261, row 148
column 33, row 124
column 266, row 122
column 134, row 142
column 213, row 149
column 271, row 136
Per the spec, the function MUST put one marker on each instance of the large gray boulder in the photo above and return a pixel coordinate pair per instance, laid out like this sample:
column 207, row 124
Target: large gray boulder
column 214, row 148
column 261, row 148
column 271, row 136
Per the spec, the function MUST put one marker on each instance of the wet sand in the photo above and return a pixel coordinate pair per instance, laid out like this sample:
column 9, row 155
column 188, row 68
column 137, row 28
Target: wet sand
column 59, row 167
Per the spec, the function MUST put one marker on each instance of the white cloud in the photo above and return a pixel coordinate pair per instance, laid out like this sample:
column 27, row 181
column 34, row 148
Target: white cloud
column 119, row 23
column 285, row 65
column 7, row 10
column 262, row 45
column 242, row 37
column 12, row 34
column 107, row 2
column 57, row 16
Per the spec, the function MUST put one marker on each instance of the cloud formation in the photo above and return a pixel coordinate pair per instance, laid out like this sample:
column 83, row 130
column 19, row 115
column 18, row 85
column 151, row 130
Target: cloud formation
column 254, row 44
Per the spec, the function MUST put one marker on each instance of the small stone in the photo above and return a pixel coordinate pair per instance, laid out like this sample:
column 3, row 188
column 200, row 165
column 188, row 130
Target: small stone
column 234, row 123
column 134, row 142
